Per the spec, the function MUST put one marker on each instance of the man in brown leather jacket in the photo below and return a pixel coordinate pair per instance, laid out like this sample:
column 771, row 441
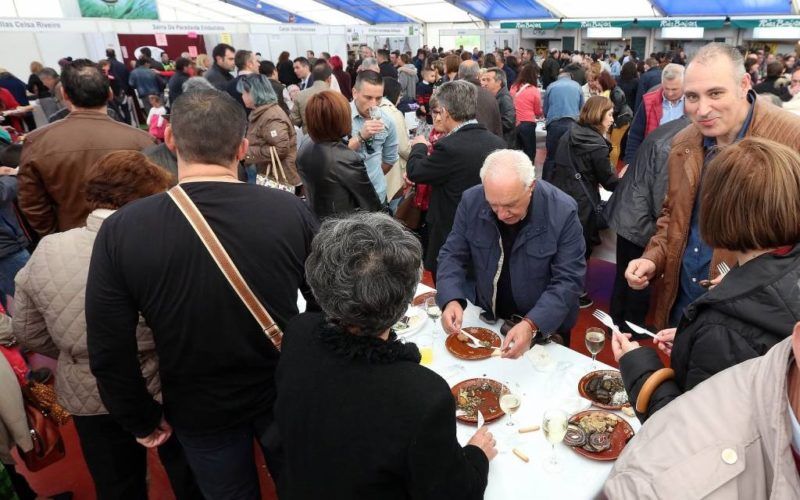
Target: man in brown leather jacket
column 723, row 110
column 55, row 158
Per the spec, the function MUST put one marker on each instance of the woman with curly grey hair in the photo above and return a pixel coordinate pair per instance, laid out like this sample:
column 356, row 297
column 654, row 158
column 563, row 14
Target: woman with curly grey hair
column 354, row 405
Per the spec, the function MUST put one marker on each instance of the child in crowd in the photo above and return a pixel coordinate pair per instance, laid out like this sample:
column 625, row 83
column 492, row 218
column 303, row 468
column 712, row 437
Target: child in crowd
column 156, row 121
column 424, row 92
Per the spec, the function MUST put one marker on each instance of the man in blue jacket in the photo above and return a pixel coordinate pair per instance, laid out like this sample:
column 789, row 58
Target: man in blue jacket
column 523, row 242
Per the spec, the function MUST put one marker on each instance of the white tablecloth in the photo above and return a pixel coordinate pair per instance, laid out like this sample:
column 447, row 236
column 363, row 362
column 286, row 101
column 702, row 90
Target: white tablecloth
column 509, row 477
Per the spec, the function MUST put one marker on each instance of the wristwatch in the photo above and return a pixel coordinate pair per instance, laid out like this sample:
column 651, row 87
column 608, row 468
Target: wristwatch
column 534, row 329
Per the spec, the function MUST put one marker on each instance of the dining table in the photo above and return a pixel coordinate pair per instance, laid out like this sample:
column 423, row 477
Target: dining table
column 554, row 387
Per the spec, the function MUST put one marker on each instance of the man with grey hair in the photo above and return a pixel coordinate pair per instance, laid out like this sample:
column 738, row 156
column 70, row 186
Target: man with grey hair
column 494, row 80
column 487, row 112
column 659, row 106
column 531, row 276
column 723, row 109
column 454, row 164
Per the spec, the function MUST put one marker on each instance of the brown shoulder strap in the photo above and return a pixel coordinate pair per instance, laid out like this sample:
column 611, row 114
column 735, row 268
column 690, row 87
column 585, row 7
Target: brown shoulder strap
column 226, row 265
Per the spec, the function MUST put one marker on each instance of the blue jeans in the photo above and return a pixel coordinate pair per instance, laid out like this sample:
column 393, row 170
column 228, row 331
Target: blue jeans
column 224, row 464
column 9, row 267
column 555, row 130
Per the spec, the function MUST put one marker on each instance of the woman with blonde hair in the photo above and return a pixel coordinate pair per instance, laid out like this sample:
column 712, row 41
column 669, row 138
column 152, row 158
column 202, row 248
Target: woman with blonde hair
column 201, row 64
column 582, row 164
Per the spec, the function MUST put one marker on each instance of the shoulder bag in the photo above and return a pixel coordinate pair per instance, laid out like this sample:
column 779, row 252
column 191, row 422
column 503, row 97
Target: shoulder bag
column 275, row 177
column 226, row 265
column 598, row 209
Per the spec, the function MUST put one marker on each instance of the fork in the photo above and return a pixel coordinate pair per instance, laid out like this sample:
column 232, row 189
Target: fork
column 723, row 268
column 605, row 319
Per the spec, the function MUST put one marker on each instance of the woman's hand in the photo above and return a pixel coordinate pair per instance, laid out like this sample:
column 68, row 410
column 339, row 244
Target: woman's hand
column 664, row 340
column 622, row 345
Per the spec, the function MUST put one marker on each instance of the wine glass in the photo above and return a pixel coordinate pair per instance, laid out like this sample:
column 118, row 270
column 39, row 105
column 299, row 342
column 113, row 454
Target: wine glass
column 509, row 402
column 433, row 311
column 374, row 113
column 554, row 426
column 595, row 341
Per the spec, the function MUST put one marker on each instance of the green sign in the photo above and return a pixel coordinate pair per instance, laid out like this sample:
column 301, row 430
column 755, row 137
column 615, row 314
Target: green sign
column 767, row 23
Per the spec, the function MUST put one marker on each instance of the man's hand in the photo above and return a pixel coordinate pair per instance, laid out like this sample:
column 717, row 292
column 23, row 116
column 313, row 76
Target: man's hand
column 370, row 128
column 158, row 436
column 484, row 440
column 452, row 316
column 664, row 340
column 420, row 139
column 639, row 273
column 9, row 170
column 521, row 336
column 621, row 344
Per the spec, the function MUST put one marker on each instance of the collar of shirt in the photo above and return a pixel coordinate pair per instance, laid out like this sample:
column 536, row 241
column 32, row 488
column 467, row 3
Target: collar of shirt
column 354, row 113
column 668, row 104
column 468, row 122
column 710, row 142
column 793, row 418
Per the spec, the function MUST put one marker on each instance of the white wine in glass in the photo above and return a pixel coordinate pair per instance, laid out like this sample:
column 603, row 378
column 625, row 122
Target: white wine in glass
column 509, row 403
column 595, row 341
column 554, row 426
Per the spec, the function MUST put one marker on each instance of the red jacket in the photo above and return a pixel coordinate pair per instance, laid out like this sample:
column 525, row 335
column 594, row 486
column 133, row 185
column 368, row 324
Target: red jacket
column 653, row 111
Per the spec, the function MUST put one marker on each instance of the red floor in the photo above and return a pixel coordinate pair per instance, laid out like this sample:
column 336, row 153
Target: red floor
column 71, row 474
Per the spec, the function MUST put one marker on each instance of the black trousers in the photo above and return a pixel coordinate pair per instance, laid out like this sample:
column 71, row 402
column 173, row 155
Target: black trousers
column 526, row 139
column 628, row 304
column 118, row 464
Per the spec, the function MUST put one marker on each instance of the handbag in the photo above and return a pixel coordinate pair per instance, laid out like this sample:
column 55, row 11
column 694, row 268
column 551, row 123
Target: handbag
column 43, row 421
column 275, row 177
column 226, row 265
column 598, row 209
column 408, row 213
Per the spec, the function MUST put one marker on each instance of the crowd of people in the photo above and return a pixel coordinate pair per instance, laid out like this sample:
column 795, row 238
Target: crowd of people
column 158, row 230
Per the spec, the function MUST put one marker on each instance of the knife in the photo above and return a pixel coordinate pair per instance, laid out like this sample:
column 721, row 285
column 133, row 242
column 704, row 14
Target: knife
column 473, row 338
column 639, row 329
column 481, row 420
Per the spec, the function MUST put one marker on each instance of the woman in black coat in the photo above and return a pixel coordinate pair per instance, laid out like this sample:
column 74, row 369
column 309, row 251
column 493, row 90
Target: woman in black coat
column 358, row 416
column 628, row 81
column 335, row 177
column 757, row 303
column 285, row 68
column 584, row 150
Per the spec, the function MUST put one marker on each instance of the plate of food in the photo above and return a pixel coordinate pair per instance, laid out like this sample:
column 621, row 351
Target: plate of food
column 421, row 298
column 598, row 434
column 461, row 346
column 604, row 388
column 411, row 323
column 478, row 394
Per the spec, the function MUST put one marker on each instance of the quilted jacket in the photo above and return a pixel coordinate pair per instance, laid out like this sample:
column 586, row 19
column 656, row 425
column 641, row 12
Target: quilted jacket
column 49, row 315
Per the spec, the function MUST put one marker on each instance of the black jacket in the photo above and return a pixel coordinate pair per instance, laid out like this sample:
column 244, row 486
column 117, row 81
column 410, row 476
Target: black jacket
column 175, row 86
column 217, row 76
column 508, row 115
column 623, row 114
column 630, row 87
column 584, row 150
column 770, row 86
column 451, row 169
column 278, row 88
column 550, row 69
column 487, row 112
column 335, row 179
column 636, row 203
column 368, row 421
column 752, row 309
column 387, row 69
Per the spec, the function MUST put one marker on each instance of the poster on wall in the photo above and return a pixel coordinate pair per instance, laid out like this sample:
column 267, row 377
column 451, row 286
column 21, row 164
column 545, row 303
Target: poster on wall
column 119, row 9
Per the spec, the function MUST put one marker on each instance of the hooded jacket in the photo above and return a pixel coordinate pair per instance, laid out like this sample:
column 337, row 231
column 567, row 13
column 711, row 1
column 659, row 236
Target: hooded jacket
column 585, row 151
column 753, row 308
column 408, row 79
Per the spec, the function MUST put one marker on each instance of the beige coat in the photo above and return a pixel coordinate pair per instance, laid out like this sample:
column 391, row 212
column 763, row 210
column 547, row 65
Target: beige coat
column 269, row 126
column 49, row 315
column 728, row 438
column 13, row 422
column 394, row 177
column 298, row 114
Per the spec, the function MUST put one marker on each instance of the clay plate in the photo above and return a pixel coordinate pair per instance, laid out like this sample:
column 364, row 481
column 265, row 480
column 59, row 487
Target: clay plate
column 421, row 298
column 490, row 406
column 620, row 436
column 584, row 394
column 462, row 350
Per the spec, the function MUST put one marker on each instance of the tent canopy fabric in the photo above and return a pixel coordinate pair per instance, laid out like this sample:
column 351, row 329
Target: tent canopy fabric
column 354, row 12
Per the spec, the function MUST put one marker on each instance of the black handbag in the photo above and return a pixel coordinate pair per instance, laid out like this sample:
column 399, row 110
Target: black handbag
column 598, row 209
